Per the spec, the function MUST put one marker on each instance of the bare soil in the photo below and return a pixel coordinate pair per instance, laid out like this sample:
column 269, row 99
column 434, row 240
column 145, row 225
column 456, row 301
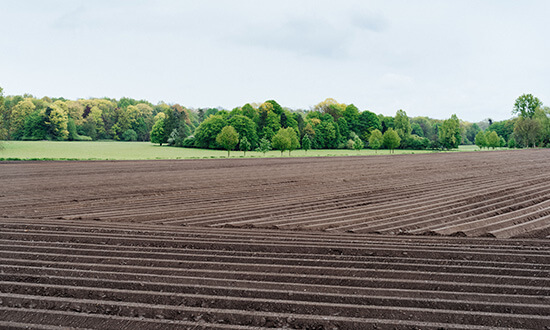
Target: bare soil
column 436, row 241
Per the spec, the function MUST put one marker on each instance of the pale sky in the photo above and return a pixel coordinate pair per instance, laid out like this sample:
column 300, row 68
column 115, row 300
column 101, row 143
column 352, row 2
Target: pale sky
column 429, row 58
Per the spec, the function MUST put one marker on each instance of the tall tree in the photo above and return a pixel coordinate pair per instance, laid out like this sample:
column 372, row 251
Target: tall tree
column 19, row 114
column 157, row 132
column 376, row 140
column 244, row 145
column 493, row 140
column 481, row 140
column 358, row 143
column 264, row 146
column 208, row 130
column 368, row 122
column 528, row 131
column 351, row 114
column 246, row 127
column 402, row 124
column 449, row 133
column 526, row 105
column 332, row 107
column 281, row 141
column 391, row 139
column 306, row 143
column 228, row 138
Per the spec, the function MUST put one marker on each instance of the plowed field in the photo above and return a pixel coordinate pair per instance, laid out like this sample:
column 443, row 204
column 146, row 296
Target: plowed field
column 306, row 243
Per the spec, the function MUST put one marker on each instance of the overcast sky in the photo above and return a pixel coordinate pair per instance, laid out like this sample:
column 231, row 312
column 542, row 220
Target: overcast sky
column 429, row 58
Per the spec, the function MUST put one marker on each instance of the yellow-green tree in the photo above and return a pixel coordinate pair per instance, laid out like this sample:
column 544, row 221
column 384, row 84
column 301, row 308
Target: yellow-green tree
column 18, row 116
column 376, row 139
column 57, row 120
column 228, row 138
column 493, row 140
column 391, row 139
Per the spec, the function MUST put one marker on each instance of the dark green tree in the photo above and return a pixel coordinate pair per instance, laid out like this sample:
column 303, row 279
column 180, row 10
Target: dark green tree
column 367, row 123
column 351, row 114
column 208, row 130
column 246, row 127
column 264, row 146
column 244, row 145
column 306, row 143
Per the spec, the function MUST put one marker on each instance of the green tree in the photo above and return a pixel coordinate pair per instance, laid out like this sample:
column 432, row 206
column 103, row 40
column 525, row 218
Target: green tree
column 358, row 143
column 208, row 130
column 157, row 132
column 294, row 141
column 332, row 107
column 35, row 126
column 526, row 105
column 264, row 146
column 57, row 120
column 512, row 143
column 228, row 138
column 244, row 145
column 417, row 129
column 306, row 143
column 480, row 140
column 129, row 135
column 19, row 114
column 376, row 140
column 368, row 122
column 281, row 141
column 402, row 125
column 4, row 117
column 528, row 131
column 351, row 114
column 246, row 127
column 250, row 112
column 272, row 125
column 449, row 133
column 391, row 139
column 493, row 140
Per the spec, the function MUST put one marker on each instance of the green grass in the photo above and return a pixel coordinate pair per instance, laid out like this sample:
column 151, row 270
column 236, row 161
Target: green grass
column 112, row 150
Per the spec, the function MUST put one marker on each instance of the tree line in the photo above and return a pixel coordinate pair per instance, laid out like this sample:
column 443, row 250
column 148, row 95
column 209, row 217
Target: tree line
column 265, row 126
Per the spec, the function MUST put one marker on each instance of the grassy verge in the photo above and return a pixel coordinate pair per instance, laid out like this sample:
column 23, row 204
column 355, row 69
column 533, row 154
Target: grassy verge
column 112, row 150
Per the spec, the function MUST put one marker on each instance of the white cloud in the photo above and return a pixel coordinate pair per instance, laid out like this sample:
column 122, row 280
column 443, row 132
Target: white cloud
column 430, row 58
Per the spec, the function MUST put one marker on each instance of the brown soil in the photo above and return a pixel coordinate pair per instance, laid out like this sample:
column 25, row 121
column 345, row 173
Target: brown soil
column 200, row 244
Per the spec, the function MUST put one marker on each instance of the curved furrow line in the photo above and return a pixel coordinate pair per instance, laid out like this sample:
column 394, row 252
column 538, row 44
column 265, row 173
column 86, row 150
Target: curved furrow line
column 491, row 206
column 363, row 197
column 536, row 210
column 380, row 214
column 170, row 232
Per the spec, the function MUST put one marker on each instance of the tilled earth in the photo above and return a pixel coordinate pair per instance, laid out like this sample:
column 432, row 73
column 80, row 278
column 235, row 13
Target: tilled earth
column 442, row 241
